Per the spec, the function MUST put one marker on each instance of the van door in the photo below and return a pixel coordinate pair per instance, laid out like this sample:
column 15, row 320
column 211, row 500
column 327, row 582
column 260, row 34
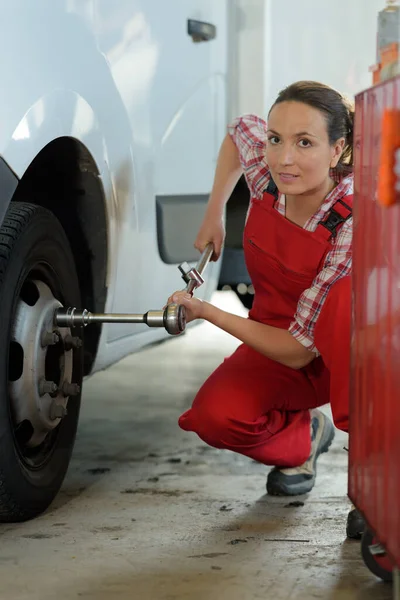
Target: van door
column 168, row 61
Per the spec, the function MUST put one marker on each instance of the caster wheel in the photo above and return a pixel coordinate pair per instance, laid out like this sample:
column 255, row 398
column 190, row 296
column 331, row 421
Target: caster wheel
column 379, row 565
column 355, row 525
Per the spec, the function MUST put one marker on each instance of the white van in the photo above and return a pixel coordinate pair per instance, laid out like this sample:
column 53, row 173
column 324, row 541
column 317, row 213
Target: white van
column 112, row 113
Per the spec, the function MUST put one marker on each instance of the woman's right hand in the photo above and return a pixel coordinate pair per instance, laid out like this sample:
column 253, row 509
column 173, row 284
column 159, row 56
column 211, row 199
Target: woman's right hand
column 212, row 230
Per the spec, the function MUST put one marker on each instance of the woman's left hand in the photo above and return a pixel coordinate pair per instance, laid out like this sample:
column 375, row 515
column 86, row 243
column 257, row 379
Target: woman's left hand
column 194, row 306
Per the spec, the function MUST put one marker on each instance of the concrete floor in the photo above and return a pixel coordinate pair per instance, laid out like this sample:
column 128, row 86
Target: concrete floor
column 149, row 512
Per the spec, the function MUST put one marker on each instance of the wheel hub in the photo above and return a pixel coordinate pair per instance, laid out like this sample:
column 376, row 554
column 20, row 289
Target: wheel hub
column 41, row 363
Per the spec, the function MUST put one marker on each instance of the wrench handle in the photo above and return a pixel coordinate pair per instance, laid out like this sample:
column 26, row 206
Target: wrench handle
column 205, row 257
column 197, row 279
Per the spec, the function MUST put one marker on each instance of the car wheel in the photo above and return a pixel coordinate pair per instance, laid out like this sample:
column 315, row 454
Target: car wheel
column 40, row 364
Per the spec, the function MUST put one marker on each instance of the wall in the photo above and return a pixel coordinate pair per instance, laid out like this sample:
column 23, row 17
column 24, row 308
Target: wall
column 275, row 42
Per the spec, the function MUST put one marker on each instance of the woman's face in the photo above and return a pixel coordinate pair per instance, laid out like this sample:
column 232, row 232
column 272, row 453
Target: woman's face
column 298, row 151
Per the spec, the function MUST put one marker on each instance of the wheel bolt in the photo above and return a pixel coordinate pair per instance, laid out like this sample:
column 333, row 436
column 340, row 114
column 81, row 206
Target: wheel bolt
column 50, row 338
column 57, row 411
column 72, row 342
column 70, row 389
column 47, row 387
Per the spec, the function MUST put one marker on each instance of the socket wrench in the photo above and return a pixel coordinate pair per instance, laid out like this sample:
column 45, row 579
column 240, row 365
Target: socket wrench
column 172, row 317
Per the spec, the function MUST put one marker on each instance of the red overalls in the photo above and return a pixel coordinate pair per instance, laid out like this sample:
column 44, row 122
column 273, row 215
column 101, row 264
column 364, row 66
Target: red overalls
column 252, row 404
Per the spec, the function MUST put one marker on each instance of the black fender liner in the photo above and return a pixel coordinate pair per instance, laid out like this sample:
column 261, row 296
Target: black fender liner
column 8, row 184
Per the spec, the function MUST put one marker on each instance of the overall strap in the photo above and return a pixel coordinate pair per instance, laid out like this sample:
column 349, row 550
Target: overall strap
column 340, row 212
column 271, row 193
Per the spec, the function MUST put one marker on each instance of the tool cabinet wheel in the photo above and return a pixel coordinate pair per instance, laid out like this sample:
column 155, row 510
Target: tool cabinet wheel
column 379, row 565
column 355, row 525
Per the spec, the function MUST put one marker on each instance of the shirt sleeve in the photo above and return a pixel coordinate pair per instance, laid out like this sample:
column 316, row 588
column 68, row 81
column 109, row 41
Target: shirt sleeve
column 337, row 265
column 249, row 134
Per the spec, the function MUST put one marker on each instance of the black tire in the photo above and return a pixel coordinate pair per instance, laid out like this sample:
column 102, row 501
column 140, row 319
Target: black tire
column 380, row 566
column 33, row 242
column 245, row 299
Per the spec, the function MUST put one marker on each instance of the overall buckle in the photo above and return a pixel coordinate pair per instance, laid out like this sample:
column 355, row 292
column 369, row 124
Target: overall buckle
column 333, row 220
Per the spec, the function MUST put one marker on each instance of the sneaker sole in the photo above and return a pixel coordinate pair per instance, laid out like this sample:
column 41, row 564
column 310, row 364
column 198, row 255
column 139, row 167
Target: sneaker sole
column 278, row 487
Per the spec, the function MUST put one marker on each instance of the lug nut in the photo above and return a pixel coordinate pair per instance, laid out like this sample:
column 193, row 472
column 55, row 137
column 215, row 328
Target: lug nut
column 57, row 411
column 50, row 338
column 70, row 389
column 72, row 342
column 47, row 387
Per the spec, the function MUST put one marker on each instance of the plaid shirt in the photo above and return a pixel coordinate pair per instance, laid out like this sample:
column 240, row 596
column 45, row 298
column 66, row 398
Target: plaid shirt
column 249, row 133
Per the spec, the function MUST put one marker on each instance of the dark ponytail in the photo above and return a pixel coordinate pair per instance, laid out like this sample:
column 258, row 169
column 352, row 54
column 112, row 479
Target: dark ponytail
column 338, row 112
column 347, row 154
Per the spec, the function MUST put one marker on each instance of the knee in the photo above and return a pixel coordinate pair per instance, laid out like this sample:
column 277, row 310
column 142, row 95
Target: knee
column 335, row 316
column 208, row 419
column 340, row 294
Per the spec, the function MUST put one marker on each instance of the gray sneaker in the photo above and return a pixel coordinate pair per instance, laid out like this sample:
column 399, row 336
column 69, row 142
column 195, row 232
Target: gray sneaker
column 300, row 480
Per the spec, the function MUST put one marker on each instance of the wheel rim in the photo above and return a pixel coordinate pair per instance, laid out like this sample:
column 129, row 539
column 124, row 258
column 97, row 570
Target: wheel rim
column 39, row 354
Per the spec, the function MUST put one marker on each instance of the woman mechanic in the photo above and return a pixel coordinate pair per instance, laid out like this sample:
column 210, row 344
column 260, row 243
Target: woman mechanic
column 295, row 353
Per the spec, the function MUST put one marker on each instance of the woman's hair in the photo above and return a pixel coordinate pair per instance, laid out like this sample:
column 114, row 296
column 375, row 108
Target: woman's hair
column 337, row 110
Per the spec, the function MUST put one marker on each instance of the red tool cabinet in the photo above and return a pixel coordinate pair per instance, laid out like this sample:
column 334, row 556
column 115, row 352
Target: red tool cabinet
column 374, row 451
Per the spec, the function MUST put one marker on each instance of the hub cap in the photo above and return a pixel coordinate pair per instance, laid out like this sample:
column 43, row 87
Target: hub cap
column 40, row 364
